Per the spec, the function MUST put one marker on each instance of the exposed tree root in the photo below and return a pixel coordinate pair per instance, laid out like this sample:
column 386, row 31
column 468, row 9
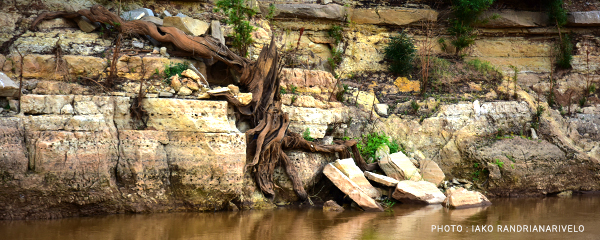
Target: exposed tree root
column 268, row 138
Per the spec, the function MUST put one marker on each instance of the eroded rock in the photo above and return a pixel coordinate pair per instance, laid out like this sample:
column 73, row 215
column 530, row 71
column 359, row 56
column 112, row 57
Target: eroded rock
column 349, row 168
column 399, row 167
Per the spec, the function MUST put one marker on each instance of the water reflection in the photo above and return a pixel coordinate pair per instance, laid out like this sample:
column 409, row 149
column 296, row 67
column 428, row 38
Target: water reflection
column 405, row 222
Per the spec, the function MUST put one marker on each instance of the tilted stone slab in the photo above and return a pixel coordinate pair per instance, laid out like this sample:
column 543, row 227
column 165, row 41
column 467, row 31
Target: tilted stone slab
column 188, row 115
column 384, row 180
column 462, row 198
column 349, row 168
column 420, row 192
column 350, row 188
column 399, row 167
column 8, row 88
column 431, row 172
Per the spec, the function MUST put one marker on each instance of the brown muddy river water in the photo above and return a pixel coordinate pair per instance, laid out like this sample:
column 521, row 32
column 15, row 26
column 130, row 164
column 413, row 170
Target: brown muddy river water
column 580, row 215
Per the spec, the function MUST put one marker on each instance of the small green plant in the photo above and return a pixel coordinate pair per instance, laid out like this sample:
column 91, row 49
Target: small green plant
column 293, row 99
column 510, row 157
column 293, row 89
column 306, row 135
column 282, row 90
column 156, row 72
column 582, row 101
column 238, row 13
column 556, row 13
column 592, row 88
column 340, row 95
column 466, row 15
column 371, row 142
column 175, row 69
column 388, row 204
column 564, row 54
column 401, row 53
column 271, row 13
column 335, row 59
column 512, row 165
column 535, row 123
column 498, row 162
column 336, row 33
column 414, row 106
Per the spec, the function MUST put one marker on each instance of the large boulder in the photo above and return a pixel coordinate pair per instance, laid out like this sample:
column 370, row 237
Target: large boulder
column 419, row 192
column 462, row 198
column 350, row 188
column 8, row 88
column 349, row 168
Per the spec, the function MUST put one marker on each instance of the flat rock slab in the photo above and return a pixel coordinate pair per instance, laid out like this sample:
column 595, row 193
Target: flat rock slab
column 462, row 198
column 308, row 11
column 588, row 19
column 421, row 192
column 507, row 18
column 432, row 172
column 399, row 167
column 351, row 189
column 349, row 168
column 384, row 180
column 8, row 88
column 188, row 25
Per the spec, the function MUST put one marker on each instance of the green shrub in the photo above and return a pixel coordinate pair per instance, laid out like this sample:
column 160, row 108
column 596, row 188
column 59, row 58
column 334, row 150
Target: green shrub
column 340, row 95
column 336, row 33
column 175, row 69
column 371, row 142
column 401, row 53
column 466, row 15
column 564, row 54
column 271, row 13
column 237, row 12
column 556, row 13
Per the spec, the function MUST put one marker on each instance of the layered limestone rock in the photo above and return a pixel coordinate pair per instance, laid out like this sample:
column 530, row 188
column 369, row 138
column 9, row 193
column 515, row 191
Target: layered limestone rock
column 83, row 151
column 398, row 17
column 308, row 11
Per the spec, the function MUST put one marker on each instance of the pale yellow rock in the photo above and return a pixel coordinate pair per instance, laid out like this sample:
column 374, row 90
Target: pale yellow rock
column 385, row 180
column 407, row 16
column 188, row 25
column 350, row 188
column 349, row 168
column 462, row 198
column 187, row 115
column 244, row 98
column 399, row 167
column 405, row 85
column 190, row 74
column 431, row 172
column 421, row 191
column 192, row 85
column 175, row 83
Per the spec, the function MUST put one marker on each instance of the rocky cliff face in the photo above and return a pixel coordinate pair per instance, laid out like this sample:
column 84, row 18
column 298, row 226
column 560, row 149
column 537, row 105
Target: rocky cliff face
column 75, row 150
